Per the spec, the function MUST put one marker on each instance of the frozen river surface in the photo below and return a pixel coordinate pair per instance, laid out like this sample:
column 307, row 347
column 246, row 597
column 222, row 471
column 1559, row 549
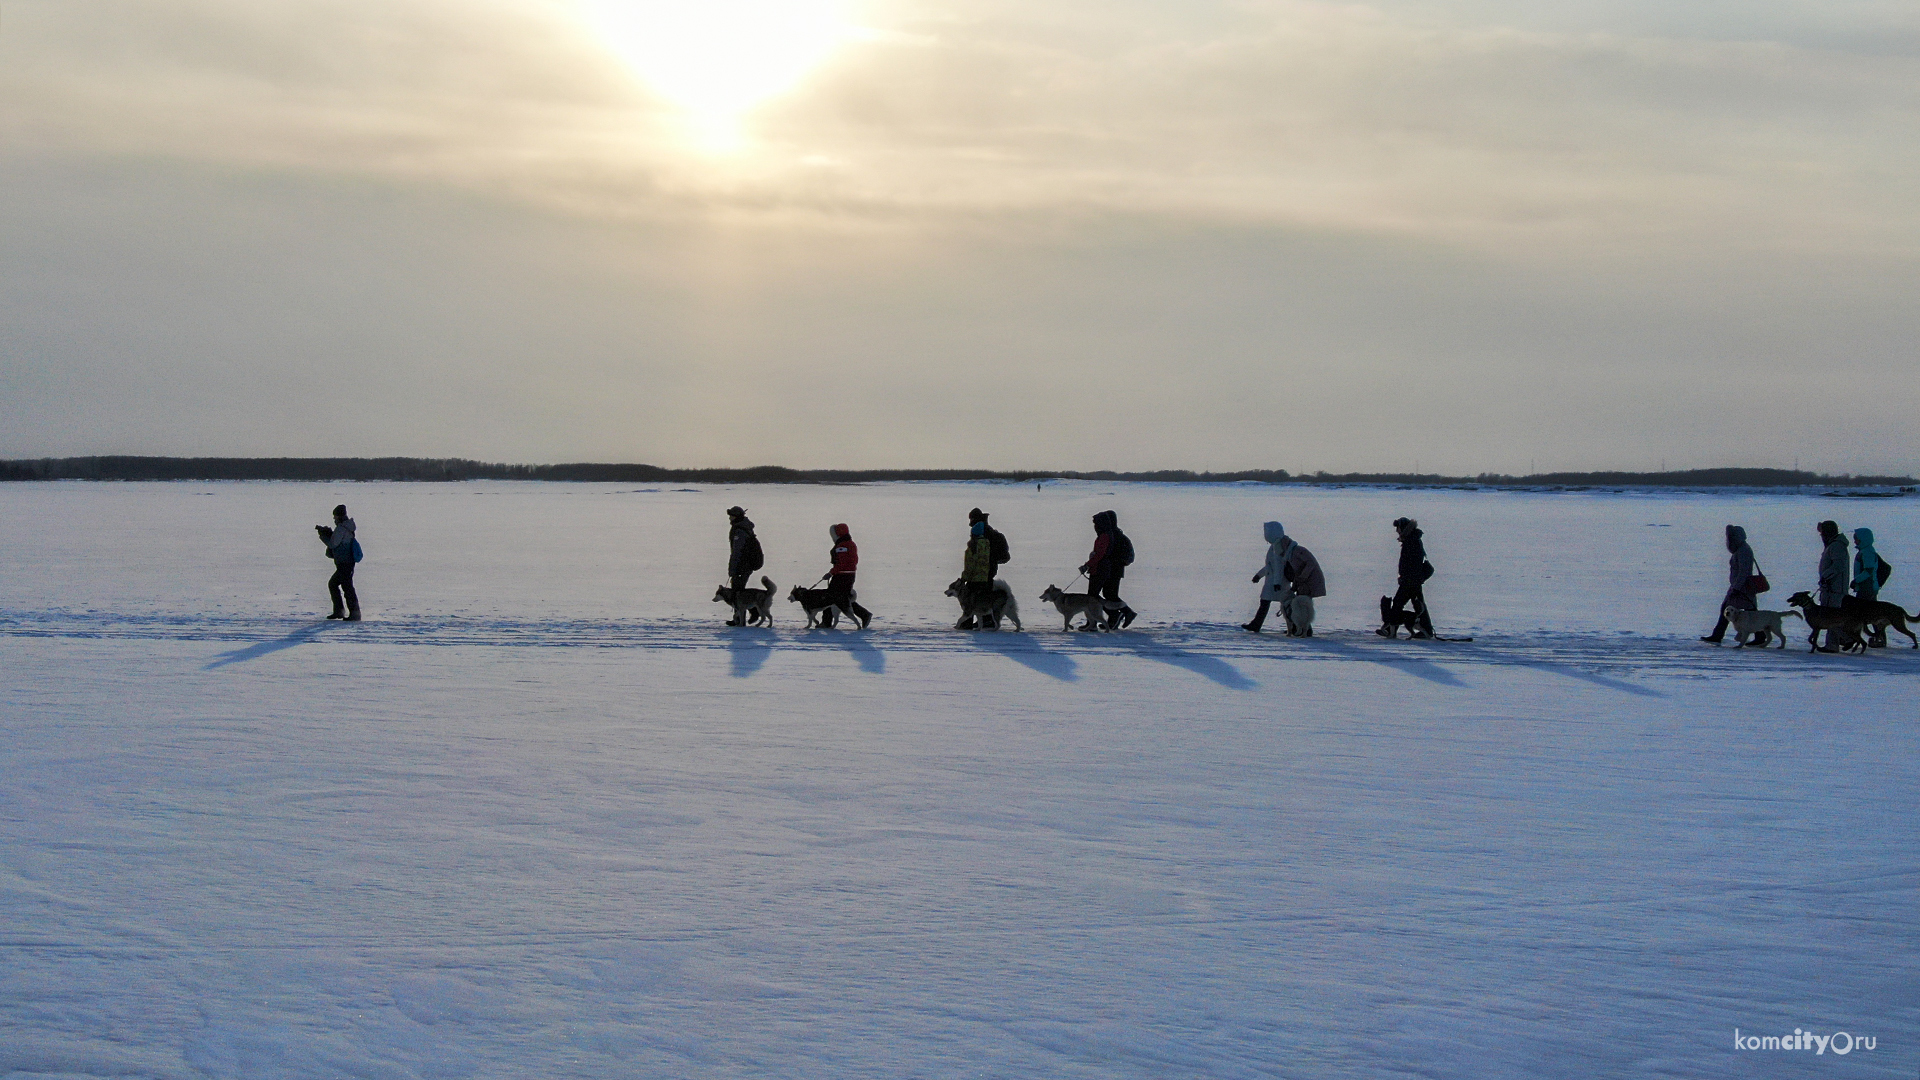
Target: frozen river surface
column 542, row 816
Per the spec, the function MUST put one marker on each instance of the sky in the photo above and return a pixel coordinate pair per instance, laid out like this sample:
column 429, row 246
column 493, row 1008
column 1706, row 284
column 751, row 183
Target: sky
column 1442, row 235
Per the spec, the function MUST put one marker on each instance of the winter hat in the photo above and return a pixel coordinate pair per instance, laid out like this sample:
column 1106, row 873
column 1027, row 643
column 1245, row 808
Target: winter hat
column 735, row 511
column 1829, row 531
column 340, row 511
column 976, row 514
column 1405, row 523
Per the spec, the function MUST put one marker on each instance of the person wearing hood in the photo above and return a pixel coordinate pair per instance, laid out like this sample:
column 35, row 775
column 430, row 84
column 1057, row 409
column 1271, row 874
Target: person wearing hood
column 1413, row 574
column 846, row 560
column 340, row 548
column 1740, row 595
column 1833, row 575
column 1107, row 564
column 743, row 558
column 976, row 570
column 1293, row 578
column 1867, row 577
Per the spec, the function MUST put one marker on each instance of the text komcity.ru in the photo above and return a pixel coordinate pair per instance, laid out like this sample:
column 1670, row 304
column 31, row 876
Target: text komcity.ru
column 1839, row 1042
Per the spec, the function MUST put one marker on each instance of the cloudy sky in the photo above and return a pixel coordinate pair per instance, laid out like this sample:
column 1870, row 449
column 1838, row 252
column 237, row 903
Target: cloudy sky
column 1458, row 235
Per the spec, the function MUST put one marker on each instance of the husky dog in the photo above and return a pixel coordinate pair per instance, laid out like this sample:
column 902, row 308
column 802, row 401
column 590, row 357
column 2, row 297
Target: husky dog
column 1748, row 623
column 987, row 612
column 820, row 608
column 1069, row 604
column 758, row 603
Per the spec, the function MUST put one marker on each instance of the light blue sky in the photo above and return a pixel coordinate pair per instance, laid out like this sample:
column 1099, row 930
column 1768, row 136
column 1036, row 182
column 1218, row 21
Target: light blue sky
column 1467, row 235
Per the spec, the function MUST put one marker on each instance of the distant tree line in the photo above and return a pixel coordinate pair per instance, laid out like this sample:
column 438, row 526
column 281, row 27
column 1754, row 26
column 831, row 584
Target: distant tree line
column 452, row 469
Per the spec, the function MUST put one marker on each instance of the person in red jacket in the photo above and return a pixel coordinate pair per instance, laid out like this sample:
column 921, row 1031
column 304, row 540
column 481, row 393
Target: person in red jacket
column 846, row 560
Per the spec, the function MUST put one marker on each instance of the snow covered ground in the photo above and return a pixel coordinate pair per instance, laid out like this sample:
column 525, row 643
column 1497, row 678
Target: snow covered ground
column 542, row 816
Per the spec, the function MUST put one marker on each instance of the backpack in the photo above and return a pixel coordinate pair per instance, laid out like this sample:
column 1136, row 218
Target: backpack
column 1885, row 571
column 1122, row 550
column 751, row 557
column 358, row 554
column 1001, row 552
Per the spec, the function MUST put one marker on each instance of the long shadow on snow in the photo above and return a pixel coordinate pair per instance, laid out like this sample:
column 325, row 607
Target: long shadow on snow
column 1022, row 647
column 253, row 652
column 748, row 647
column 1572, row 672
column 869, row 657
column 1425, row 669
column 1142, row 643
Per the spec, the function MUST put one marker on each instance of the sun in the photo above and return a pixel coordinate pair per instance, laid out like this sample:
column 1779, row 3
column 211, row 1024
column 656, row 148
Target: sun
column 718, row 59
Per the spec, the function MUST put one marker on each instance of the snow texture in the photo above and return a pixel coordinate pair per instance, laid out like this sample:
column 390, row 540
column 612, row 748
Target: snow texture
column 542, row 816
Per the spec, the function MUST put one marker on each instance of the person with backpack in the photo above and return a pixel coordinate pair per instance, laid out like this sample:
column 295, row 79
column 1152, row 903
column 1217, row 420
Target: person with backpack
column 1107, row 564
column 998, row 554
column 976, row 572
column 1870, row 572
column 846, row 561
column 1413, row 574
column 743, row 558
column 1742, row 594
column 344, row 550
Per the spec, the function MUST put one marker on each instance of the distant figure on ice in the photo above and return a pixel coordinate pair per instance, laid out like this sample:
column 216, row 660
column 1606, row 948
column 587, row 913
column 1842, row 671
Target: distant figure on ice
column 1293, row 578
column 1413, row 574
column 1107, row 564
column 846, row 560
column 344, row 550
column 1833, row 575
column 1870, row 572
column 743, row 558
column 1741, row 587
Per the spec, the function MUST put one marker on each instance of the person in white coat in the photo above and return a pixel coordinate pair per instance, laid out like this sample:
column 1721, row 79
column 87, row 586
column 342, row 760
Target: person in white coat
column 1293, row 578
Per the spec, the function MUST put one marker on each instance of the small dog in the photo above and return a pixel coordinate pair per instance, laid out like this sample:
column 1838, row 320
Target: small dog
column 757, row 602
column 1845, row 624
column 1878, row 615
column 986, row 612
column 1069, row 604
column 1391, row 621
column 820, row 608
column 1748, row 623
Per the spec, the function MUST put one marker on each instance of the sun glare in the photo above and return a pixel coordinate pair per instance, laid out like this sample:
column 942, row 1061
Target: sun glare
column 718, row 59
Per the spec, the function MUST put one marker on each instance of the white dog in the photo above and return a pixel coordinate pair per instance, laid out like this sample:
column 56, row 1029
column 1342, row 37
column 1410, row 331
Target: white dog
column 1748, row 623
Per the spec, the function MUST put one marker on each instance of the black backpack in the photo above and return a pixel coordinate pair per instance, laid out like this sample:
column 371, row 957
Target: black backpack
column 1122, row 550
column 1885, row 571
column 1001, row 552
column 751, row 557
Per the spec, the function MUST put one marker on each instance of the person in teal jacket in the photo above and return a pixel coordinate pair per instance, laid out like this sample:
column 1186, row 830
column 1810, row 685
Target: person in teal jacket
column 1866, row 577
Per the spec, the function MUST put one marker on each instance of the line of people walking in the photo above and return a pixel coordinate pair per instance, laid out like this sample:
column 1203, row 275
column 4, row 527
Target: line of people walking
column 1844, row 589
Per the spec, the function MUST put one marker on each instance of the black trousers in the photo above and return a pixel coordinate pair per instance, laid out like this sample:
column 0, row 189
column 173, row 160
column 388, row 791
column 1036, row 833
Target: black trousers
column 1418, row 595
column 840, row 591
column 1108, row 588
column 1739, row 601
column 340, row 587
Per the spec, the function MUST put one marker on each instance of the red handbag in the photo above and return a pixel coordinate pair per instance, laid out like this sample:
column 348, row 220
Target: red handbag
column 1757, row 582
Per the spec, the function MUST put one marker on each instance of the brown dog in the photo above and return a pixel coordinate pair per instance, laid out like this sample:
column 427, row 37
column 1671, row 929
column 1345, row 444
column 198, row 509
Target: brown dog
column 1845, row 624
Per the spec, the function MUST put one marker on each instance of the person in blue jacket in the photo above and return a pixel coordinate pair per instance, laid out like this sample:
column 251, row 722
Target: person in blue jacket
column 1866, row 578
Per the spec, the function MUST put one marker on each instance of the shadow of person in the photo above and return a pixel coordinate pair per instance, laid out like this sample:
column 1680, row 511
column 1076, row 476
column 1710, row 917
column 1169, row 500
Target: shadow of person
column 1423, row 669
column 1023, row 648
column 254, row 652
column 860, row 644
column 1143, row 643
column 748, row 648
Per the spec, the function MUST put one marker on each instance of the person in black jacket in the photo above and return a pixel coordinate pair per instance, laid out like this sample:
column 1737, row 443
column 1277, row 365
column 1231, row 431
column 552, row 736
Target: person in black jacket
column 339, row 539
column 743, row 558
column 1740, row 596
column 1413, row 573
